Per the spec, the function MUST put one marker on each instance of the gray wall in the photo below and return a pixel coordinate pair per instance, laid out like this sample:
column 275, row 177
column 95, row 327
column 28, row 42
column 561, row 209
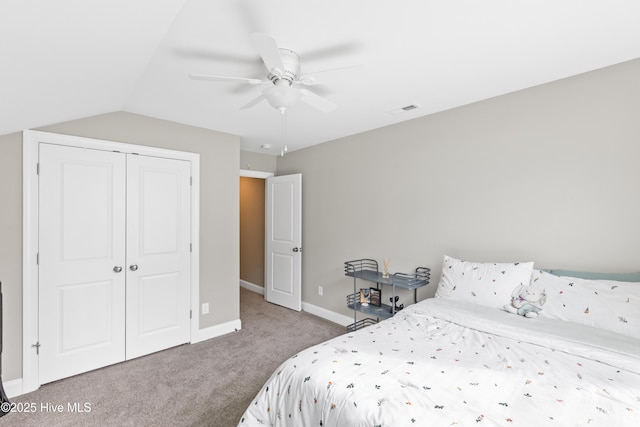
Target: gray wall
column 258, row 162
column 219, row 213
column 11, row 253
column 549, row 174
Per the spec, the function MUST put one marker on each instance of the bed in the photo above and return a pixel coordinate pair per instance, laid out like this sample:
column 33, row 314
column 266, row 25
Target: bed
column 462, row 359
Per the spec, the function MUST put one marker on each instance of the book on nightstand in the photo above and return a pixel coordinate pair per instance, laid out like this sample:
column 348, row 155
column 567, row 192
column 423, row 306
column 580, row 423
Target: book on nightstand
column 375, row 297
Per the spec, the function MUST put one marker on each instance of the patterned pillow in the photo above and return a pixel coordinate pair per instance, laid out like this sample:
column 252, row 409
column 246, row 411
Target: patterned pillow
column 604, row 304
column 488, row 284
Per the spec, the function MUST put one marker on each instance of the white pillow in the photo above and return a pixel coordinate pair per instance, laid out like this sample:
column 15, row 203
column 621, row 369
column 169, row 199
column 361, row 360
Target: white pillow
column 488, row 284
column 604, row 304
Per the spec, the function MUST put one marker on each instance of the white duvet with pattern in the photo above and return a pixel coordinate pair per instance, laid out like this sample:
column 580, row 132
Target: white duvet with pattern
column 445, row 363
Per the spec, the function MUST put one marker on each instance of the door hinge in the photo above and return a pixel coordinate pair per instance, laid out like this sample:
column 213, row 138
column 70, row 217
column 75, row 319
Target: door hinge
column 190, row 247
column 38, row 258
column 191, row 180
column 37, row 346
column 37, row 168
column 190, row 314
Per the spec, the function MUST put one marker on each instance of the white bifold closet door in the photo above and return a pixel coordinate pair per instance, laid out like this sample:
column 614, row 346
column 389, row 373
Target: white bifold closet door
column 114, row 258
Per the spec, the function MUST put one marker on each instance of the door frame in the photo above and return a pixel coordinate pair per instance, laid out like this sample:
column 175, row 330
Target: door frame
column 30, row 141
column 248, row 173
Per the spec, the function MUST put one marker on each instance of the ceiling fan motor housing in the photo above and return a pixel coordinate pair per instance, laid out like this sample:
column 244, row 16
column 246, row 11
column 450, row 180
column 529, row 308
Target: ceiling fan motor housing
column 291, row 62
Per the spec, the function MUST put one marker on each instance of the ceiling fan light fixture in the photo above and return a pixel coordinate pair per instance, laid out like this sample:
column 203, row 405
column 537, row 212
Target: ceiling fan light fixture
column 282, row 96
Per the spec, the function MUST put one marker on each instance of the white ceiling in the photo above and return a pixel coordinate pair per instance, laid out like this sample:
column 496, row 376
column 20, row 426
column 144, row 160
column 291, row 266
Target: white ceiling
column 68, row 59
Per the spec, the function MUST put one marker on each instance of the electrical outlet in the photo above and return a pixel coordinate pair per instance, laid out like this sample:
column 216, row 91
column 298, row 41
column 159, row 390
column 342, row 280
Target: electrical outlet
column 320, row 291
column 205, row 308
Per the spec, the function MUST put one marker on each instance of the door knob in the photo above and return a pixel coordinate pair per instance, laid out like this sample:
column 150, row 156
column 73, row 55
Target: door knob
column 117, row 269
column 297, row 249
column 133, row 267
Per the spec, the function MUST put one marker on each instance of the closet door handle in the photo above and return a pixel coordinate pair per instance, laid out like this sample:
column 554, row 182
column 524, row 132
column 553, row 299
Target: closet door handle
column 117, row 269
column 133, row 267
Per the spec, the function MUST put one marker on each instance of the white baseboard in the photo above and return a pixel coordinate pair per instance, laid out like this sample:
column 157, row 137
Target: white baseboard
column 13, row 388
column 217, row 330
column 250, row 286
column 332, row 316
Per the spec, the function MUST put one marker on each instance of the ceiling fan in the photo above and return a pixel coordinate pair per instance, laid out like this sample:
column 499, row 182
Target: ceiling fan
column 285, row 84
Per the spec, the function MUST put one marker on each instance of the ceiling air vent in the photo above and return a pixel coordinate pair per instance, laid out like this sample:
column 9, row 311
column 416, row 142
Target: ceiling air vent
column 404, row 109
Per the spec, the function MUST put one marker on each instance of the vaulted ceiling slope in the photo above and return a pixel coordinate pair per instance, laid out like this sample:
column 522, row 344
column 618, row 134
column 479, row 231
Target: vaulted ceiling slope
column 67, row 59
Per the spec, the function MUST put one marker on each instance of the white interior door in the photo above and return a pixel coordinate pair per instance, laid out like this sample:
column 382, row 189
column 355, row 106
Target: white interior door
column 283, row 263
column 81, row 260
column 158, row 254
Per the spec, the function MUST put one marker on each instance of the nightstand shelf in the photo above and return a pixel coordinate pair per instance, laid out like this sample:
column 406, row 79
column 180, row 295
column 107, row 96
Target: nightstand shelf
column 367, row 270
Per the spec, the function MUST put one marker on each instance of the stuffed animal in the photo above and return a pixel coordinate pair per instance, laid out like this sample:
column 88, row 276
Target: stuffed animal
column 527, row 300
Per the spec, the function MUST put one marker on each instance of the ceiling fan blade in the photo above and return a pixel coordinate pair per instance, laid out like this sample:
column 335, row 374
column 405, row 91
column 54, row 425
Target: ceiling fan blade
column 345, row 48
column 253, row 82
column 319, row 77
column 269, row 51
column 253, row 102
column 318, row 102
column 212, row 55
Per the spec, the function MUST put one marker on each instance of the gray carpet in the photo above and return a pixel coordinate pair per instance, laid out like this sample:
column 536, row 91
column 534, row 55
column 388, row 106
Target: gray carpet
column 205, row 384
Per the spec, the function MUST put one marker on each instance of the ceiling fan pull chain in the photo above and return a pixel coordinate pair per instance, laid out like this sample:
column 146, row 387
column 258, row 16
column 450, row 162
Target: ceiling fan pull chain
column 284, row 148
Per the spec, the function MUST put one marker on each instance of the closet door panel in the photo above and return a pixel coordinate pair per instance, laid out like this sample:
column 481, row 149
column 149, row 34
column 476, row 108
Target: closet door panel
column 158, row 254
column 82, row 232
